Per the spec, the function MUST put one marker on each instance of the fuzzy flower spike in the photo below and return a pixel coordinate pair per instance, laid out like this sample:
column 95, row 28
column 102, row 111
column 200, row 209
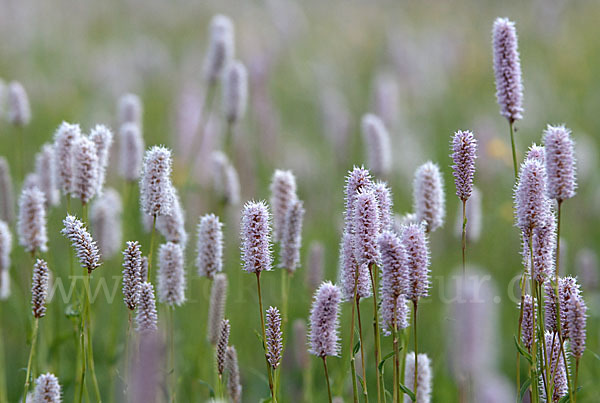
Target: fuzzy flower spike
column 156, row 195
column 414, row 240
column 31, row 223
column 324, row 321
column 209, row 251
column 85, row 247
column 428, row 196
column 274, row 337
column 464, row 153
column 394, row 311
column 507, row 69
column 132, row 267
column 47, row 389
column 256, row 237
column 560, row 163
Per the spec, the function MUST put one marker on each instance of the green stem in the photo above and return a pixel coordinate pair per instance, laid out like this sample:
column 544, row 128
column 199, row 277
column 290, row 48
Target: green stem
column 415, row 305
column 514, row 151
column 127, row 341
column 396, row 360
column 576, row 378
column 464, row 235
column 541, row 335
column 31, row 354
column 171, row 330
column 362, row 353
column 534, row 388
column 327, row 378
column 264, row 337
column 405, row 336
column 352, row 358
column 380, row 392
column 90, row 348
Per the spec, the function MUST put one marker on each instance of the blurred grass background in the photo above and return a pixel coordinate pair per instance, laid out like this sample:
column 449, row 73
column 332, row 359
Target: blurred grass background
column 76, row 58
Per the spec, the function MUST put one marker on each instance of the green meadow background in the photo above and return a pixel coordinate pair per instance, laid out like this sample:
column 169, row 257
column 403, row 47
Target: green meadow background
column 76, row 59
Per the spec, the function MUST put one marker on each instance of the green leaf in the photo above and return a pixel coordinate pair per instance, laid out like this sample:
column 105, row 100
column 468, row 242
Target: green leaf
column 362, row 382
column 522, row 350
column 211, row 391
column 595, row 355
column 408, row 392
column 356, row 348
column 524, row 388
column 380, row 366
column 389, row 394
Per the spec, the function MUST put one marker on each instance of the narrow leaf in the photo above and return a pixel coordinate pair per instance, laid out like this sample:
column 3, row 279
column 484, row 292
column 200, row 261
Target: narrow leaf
column 408, row 392
column 524, row 388
column 522, row 350
column 380, row 366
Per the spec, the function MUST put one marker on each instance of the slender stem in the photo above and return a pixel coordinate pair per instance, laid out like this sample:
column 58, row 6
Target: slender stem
column 327, row 378
column 171, row 330
column 534, row 342
column 373, row 273
column 264, row 335
column 81, row 353
column 576, row 377
column 152, row 236
column 127, row 340
column 396, row 360
column 90, row 349
column 464, row 234
column 362, row 353
column 540, row 332
column 416, row 349
column 557, row 264
column 285, row 288
column 307, row 383
column 521, row 286
column 405, row 336
column 31, row 354
column 352, row 358
column 514, row 152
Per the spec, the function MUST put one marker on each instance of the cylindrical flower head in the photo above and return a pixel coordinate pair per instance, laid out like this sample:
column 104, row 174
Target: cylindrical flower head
column 5, row 245
column 543, row 244
column 31, row 224
column 324, row 321
column 377, row 141
column 39, row 288
column 19, row 111
column 7, row 208
column 171, row 274
column 558, row 369
column 235, row 92
column 474, row 216
column 527, row 325
column 225, row 178
column 234, row 387
column 222, row 345
column 85, row 247
column 385, row 203
column 577, row 322
column 131, row 150
column 357, row 180
column 156, row 195
column 130, row 110
column 216, row 309
column 464, row 153
column 414, row 240
column 256, row 237
column 568, row 292
column 424, row 377
column 428, row 196
column 550, row 307
column 351, row 273
column 274, row 337
column 291, row 239
column 366, row 229
column 283, row 194
column 209, row 250
column 44, row 169
column 66, row 137
column 220, row 47
column 132, row 279
column 393, row 282
column 105, row 219
column 507, row 69
column 560, row 163
column 536, row 152
column 147, row 318
column 102, row 137
column 531, row 202
column 172, row 226
column 316, row 263
column 86, row 168
column 47, row 389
